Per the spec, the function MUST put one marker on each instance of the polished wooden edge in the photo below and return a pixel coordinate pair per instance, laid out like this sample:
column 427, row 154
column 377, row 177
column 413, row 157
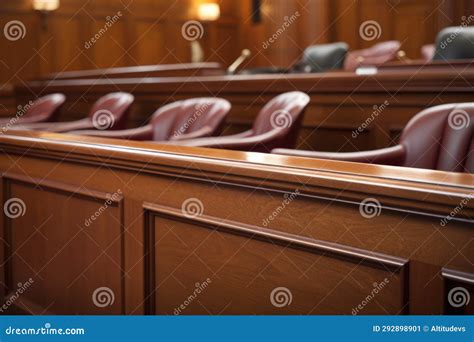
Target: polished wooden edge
column 403, row 81
column 432, row 197
column 462, row 277
column 266, row 234
column 133, row 69
column 55, row 141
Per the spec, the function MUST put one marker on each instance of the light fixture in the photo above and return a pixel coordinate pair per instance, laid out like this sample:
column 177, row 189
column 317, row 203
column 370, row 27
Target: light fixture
column 44, row 7
column 209, row 12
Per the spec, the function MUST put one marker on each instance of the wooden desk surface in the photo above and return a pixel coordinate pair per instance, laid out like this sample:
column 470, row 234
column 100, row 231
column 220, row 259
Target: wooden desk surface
column 159, row 70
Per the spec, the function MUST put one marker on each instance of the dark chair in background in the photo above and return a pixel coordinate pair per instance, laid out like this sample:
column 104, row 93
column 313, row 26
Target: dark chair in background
column 108, row 112
column 322, row 57
column 276, row 125
column 376, row 55
column 180, row 120
column 455, row 43
column 438, row 138
column 44, row 109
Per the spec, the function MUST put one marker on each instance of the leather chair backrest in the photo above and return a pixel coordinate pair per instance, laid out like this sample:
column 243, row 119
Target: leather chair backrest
column 112, row 110
column 325, row 57
column 455, row 43
column 376, row 55
column 441, row 138
column 187, row 116
column 46, row 107
column 282, row 113
column 427, row 52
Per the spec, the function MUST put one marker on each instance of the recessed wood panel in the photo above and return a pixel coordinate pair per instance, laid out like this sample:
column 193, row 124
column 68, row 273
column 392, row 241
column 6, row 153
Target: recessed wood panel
column 277, row 275
column 67, row 253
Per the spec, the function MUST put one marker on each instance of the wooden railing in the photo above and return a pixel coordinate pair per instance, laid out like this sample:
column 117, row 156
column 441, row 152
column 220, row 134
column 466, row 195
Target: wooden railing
column 175, row 230
column 159, row 70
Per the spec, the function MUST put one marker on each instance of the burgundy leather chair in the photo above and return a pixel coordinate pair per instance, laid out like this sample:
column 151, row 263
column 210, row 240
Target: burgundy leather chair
column 427, row 52
column 108, row 112
column 44, row 109
column 438, row 138
column 180, row 120
column 376, row 55
column 276, row 125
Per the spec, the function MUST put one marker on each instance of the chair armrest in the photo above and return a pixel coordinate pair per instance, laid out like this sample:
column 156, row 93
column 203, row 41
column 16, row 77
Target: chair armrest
column 386, row 156
column 139, row 133
column 205, row 131
column 58, row 127
column 240, row 141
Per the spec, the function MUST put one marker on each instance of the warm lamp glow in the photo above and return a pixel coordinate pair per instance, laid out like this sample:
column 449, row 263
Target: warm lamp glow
column 209, row 12
column 45, row 5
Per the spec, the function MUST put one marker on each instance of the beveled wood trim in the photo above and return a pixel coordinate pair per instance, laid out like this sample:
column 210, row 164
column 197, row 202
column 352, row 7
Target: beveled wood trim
column 279, row 237
column 446, row 81
column 458, row 276
column 424, row 192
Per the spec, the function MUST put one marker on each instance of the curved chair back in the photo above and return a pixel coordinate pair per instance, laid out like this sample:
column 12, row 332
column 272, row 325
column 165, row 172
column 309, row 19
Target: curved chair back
column 441, row 138
column 199, row 116
column 376, row 55
column 111, row 111
column 455, row 43
column 323, row 57
column 283, row 114
column 43, row 109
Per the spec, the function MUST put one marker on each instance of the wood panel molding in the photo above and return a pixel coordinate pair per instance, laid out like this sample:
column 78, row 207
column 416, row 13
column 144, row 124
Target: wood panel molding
column 11, row 252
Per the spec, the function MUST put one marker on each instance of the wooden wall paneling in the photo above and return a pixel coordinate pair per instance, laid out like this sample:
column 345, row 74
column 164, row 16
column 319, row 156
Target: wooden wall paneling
column 320, row 247
column 251, row 248
column 62, row 252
